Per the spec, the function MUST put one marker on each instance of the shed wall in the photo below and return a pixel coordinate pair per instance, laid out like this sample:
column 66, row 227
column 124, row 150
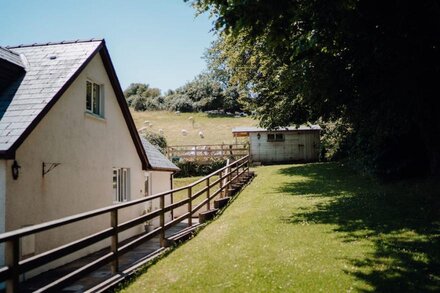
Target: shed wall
column 297, row 146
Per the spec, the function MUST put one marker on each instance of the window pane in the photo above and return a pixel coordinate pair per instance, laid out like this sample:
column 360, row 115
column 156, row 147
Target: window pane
column 146, row 187
column 121, row 184
column 270, row 137
column 96, row 99
column 115, row 185
column 89, row 95
column 280, row 136
column 124, row 185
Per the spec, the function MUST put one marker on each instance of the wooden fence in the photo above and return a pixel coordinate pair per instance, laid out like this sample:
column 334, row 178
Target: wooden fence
column 204, row 152
column 15, row 266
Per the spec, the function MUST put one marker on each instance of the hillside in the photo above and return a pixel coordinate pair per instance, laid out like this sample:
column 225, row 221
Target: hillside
column 216, row 130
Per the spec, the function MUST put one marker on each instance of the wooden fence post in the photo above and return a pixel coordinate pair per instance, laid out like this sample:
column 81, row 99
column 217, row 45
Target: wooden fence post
column 208, row 194
column 162, row 220
column 229, row 179
column 115, row 241
column 221, row 183
column 12, row 253
column 190, row 206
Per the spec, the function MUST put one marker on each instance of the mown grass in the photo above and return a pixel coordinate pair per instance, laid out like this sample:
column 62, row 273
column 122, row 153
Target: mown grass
column 312, row 228
column 180, row 182
column 216, row 130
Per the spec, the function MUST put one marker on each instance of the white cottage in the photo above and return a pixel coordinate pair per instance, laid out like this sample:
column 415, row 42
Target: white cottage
column 288, row 144
column 68, row 143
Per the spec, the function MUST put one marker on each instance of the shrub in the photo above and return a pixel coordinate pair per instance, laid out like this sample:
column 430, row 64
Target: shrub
column 179, row 103
column 194, row 168
column 334, row 138
column 153, row 104
column 158, row 140
column 138, row 103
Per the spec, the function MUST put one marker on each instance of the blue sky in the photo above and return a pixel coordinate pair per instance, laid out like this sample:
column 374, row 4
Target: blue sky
column 159, row 42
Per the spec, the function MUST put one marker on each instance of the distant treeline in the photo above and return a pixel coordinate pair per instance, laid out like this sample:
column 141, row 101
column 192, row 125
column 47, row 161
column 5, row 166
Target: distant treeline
column 201, row 94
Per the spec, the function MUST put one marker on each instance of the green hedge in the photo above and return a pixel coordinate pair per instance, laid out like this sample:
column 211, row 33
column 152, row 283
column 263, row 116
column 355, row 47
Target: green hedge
column 195, row 168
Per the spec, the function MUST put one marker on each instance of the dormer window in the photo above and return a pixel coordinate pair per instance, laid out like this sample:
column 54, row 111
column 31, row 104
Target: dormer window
column 94, row 98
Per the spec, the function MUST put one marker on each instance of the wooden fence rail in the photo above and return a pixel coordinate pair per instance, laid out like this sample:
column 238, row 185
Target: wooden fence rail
column 202, row 152
column 14, row 266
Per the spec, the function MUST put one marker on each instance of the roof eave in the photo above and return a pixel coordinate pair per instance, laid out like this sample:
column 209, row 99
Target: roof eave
column 105, row 56
column 164, row 169
column 7, row 155
column 274, row 130
column 13, row 148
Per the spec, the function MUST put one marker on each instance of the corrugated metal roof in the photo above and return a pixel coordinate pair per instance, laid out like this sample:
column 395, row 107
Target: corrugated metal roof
column 156, row 159
column 288, row 128
column 48, row 68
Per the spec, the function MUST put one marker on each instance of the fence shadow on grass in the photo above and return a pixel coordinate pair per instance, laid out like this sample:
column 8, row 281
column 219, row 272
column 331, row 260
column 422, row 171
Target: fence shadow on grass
column 402, row 219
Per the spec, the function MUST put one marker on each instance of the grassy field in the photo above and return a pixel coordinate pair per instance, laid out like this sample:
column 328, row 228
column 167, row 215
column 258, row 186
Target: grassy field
column 311, row 228
column 216, row 130
column 180, row 182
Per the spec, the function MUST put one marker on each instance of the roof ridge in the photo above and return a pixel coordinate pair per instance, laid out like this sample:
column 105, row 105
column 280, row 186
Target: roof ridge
column 55, row 43
column 9, row 51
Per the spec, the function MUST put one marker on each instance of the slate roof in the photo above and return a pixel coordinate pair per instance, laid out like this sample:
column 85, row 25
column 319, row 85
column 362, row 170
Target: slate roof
column 49, row 70
column 156, row 159
column 288, row 128
column 10, row 56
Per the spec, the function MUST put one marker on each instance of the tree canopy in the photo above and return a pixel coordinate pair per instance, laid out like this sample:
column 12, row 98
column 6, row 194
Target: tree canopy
column 205, row 92
column 372, row 64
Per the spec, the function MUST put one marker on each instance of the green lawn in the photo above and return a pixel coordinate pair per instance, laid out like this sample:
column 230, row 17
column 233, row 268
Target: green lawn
column 216, row 130
column 311, row 228
column 180, row 182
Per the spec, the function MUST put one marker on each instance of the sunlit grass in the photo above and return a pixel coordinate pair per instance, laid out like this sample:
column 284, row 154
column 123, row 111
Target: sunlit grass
column 180, row 182
column 311, row 228
column 216, row 130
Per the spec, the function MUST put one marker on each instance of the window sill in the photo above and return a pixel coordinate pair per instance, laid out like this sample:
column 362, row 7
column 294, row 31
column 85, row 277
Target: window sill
column 94, row 116
column 119, row 202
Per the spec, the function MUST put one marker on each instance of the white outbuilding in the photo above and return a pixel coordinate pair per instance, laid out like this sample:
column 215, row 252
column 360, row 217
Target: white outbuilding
column 287, row 144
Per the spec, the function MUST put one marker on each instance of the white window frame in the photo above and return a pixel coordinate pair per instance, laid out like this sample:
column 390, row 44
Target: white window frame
column 122, row 191
column 100, row 111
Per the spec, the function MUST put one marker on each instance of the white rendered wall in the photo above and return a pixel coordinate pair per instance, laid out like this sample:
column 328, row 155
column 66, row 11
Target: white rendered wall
column 2, row 207
column 87, row 149
column 160, row 182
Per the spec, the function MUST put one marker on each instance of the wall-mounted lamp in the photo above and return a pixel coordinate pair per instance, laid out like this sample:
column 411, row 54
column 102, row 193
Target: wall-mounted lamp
column 15, row 170
column 258, row 136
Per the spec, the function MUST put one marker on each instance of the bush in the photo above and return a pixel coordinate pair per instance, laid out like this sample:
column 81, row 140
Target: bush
column 138, row 103
column 153, row 104
column 194, row 168
column 158, row 140
column 179, row 103
column 334, row 138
